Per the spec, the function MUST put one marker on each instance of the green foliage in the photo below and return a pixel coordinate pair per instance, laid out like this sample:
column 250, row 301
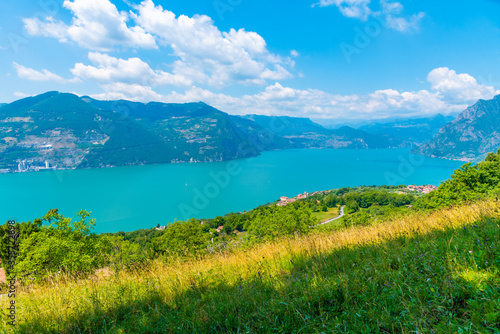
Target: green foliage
column 7, row 244
column 143, row 238
column 351, row 206
column 469, row 183
column 442, row 281
column 182, row 238
column 368, row 198
column 330, row 200
column 58, row 244
column 273, row 222
column 120, row 253
column 358, row 218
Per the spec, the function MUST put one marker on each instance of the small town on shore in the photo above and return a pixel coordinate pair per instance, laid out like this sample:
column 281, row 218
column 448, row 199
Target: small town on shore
column 425, row 189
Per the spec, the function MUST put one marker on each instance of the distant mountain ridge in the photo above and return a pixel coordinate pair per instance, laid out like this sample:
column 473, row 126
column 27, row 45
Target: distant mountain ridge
column 474, row 133
column 414, row 131
column 61, row 130
column 303, row 133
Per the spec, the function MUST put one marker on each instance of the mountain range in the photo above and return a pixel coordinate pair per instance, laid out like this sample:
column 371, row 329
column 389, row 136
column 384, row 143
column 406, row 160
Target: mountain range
column 470, row 137
column 61, row 130
column 416, row 131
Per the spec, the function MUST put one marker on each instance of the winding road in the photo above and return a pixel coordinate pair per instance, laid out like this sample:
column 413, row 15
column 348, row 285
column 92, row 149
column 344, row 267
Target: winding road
column 338, row 217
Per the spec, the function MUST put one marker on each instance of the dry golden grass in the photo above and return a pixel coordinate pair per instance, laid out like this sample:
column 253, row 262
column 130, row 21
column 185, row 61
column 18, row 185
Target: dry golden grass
column 64, row 300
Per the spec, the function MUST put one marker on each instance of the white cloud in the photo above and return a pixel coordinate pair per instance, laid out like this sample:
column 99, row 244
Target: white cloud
column 49, row 28
column 390, row 13
column 43, row 75
column 294, row 53
column 96, row 25
column 277, row 99
column 350, row 8
column 207, row 55
column 459, row 87
column 131, row 92
column 20, row 95
column 133, row 70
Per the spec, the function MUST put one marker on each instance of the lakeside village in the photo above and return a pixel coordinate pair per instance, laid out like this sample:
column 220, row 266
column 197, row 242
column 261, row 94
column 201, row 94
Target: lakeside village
column 286, row 200
column 34, row 164
column 29, row 165
column 425, row 189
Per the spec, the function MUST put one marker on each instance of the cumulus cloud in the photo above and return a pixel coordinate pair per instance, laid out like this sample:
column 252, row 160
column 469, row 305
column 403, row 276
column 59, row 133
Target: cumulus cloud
column 459, row 87
column 43, row 75
column 20, row 95
column 110, row 69
column 96, row 25
column 207, row 55
column 131, row 92
column 277, row 99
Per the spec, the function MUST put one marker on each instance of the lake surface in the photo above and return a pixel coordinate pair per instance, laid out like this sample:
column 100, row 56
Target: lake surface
column 131, row 198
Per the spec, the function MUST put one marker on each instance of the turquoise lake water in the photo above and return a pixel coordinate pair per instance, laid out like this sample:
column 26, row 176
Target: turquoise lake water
column 131, row 198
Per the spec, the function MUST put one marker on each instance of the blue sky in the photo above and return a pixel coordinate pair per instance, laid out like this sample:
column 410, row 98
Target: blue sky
column 323, row 59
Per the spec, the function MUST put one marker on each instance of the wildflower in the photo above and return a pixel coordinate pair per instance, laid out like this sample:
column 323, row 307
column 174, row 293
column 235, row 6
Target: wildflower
column 470, row 251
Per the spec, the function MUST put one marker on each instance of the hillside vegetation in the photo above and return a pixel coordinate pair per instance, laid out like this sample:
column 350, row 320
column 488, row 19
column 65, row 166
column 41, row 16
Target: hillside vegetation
column 432, row 268
column 433, row 272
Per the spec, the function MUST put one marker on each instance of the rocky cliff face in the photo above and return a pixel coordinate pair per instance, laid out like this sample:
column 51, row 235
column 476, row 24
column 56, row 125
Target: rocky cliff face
column 472, row 135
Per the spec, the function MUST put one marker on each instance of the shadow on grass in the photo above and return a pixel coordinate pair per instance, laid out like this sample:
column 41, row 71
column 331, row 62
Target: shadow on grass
column 438, row 282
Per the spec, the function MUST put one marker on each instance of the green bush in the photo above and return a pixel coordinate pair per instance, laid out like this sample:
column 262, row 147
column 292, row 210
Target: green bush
column 469, row 183
column 55, row 243
column 272, row 222
column 182, row 238
column 121, row 253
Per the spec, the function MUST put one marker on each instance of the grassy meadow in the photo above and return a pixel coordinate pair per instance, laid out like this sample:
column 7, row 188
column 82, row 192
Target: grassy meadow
column 325, row 215
column 425, row 273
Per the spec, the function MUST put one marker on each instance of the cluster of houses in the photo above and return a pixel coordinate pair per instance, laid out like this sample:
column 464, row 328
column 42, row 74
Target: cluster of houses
column 286, row 200
column 422, row 189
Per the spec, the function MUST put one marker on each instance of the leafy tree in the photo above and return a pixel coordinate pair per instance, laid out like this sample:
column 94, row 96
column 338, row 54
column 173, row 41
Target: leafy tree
column 330, row 200
column 273, row 222
column 58, row 244
column 468, row 183
column 358, row 218
column 182, row 238
column 351, row 206
column 8, row 245
column 121, row 253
